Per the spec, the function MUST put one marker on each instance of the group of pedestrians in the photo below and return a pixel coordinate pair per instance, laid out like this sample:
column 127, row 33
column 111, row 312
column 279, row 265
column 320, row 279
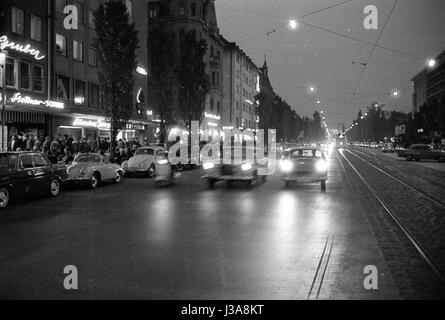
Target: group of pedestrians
column 65, row 147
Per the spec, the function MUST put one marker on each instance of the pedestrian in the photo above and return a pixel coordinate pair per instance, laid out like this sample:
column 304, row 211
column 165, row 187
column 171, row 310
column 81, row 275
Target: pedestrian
column 46, row 144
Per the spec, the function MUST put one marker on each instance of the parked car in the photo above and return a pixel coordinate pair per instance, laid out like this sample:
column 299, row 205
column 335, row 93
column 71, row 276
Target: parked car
column 92, row 169
column 245, row 170
column 304, row 165
column 144, row 160
column 421, row 151
column 23, row 173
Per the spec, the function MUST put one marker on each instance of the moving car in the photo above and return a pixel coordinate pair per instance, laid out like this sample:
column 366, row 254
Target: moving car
column 244, row 170
column 422, row 151
column 388, row 147
column 304, row 165
column 23, row 173
column 92, row 169
column 144, row 160
column 373, row 145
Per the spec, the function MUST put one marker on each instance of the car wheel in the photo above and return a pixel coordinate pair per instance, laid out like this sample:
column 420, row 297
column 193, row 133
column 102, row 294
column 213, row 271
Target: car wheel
column 179, row 167
column 441, row 159
column 4, row 197
column 54, row 188
column 151, row 172
column 95, row 180
column 409, row 158
column 323, row 185
column 211, row 183
column 118, row 178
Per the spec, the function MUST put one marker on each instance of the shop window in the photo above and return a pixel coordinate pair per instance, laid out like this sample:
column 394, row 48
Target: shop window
column 78, row 50
column 94, row 95
column 36, row 28
column 37, row 83
column 63, row 88
column 25, row 75
column 11, row 72
column 61, row 44
column 92, row 56
column 79, row 92
column 17, row 19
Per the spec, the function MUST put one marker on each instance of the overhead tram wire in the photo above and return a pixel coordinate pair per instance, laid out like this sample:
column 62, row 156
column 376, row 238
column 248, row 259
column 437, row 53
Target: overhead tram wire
column 373, row 49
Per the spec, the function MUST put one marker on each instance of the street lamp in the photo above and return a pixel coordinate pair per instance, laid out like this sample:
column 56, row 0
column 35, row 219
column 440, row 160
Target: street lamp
column 3, row 82
column 293, row 24
column 431, row 63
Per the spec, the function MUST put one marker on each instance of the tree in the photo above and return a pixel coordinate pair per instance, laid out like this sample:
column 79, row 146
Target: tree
column 116, row 43
column 161, row 50
column 193, row 80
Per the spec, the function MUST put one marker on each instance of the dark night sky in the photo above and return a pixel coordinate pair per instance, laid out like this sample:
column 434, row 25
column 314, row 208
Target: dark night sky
column 310, row 55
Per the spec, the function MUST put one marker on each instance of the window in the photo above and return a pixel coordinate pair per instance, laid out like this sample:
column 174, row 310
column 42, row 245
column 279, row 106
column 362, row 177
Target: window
column 36, row 28
column 237, row 105
column 193, row 9
column 77, row 50
column 11, row 72
column 94, row 95
column 218, row 107
column 79, row 92
column 17, row 20
column 63, row 88
column 217, row 78
column 181, row 35
column 91, row 19
column 25, row 75
column 61, row 44
column 212, row 103
column 26, row 161
column 129, row 5
column 39, row 161
column 92, row 56
column 182, row 8
column 152, row 13
column 37, row 74
column 80, row 12
column 60, row 5
column 212, row 53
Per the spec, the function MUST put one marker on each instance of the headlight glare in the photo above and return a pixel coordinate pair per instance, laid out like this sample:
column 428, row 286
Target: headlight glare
column 208, row 166
column 287, row 165
column 246, row 166
column 321, row 166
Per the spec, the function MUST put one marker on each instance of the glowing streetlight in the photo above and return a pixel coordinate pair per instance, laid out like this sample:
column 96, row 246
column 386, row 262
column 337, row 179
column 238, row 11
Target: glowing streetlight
column 395, row 93
column 293, row 24
column 431, row 63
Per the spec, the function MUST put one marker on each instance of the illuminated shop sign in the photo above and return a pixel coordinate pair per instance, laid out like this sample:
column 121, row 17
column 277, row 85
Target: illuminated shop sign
column 6, row 44
column 27, row 100
column 141, row 71
column 212, row 116
column 104, row 125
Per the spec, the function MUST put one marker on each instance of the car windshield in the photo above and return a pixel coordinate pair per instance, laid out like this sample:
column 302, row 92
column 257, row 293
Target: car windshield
column 144, row 152
column 306, row 153
column 8, row 162
column 87, row 158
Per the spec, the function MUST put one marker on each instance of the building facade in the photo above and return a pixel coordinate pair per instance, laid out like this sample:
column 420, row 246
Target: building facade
column 241, row 85
column 177, row 17
column 429, row 84
column 75, row 76
column 29, row 108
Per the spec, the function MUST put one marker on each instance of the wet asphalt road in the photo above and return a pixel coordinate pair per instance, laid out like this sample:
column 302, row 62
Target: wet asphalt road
column 135, row 241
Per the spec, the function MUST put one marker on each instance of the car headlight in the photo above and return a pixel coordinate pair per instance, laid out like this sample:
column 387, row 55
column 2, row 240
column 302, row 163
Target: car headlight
column 287, row 165
column 143, row 165
column 321, row 166
column 163, row 161
column 125, row 164
column 246, row 166
column 208, row 166
column 83, row 171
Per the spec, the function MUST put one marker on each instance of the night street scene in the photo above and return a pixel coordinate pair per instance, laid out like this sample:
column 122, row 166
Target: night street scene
column 222, row 150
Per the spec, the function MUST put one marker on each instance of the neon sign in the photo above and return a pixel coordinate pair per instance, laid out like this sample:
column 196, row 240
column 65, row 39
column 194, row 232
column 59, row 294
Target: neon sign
column 18, row 98
column 5, row 44
column 211, row 116
column 103, row 124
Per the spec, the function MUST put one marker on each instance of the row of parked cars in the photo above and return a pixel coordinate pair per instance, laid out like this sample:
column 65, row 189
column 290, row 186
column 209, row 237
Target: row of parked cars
column 23, row 173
